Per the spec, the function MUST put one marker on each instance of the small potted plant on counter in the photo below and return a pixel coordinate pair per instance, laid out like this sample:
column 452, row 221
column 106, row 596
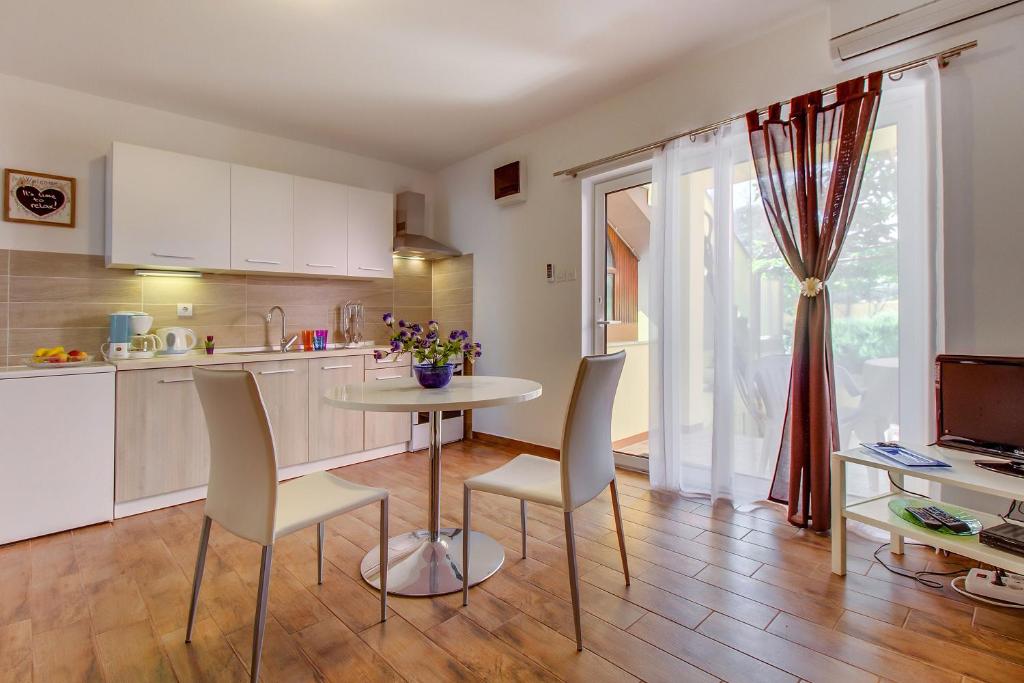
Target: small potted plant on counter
column 433, row 355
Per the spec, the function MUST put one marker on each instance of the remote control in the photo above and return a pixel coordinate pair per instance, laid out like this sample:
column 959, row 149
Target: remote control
column 948, row 520
column 922, row 516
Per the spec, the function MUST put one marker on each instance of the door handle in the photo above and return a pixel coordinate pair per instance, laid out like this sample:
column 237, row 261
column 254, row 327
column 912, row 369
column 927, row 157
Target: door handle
column 606, row 323
column 334, row 367
column 321, row 265
column 267, row 262
column 176, row 381
column 369, row 268
column 276, row 372
column 179, row 256
column 390, row 377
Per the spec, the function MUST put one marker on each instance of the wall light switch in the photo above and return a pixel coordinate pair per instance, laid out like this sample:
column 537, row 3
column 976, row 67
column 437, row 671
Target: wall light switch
column 184, row 310
column 560, row 274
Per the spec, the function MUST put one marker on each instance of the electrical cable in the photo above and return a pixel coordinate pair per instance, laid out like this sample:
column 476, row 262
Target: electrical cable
column 921, row 576
column 893, row 482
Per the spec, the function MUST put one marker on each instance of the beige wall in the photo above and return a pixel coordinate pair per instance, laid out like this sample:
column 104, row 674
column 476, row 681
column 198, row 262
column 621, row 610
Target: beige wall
column 49, row 298
column 534, row 329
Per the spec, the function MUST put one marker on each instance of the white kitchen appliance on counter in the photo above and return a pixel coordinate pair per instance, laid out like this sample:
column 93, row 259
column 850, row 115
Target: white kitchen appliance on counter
column 143, row 344
column 57, row 457
column 177, row 340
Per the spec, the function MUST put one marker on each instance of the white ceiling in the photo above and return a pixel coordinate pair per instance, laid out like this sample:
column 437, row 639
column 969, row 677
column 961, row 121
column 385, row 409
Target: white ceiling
column 419, row 82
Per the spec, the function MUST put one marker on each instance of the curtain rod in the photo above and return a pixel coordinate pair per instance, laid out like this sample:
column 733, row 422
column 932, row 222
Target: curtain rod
column 894, row 73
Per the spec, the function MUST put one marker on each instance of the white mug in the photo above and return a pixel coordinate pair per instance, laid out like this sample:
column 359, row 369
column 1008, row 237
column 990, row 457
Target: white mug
column 115, row 350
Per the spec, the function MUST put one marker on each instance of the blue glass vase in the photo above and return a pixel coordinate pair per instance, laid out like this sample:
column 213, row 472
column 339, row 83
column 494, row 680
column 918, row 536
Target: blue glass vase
column 433, row 376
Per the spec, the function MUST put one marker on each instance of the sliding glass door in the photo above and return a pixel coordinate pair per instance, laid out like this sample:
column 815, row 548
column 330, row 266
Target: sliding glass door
column 689, row 282
column 721, row 324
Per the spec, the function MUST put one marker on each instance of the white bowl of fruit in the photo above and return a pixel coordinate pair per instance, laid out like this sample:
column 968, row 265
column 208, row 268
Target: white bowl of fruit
column 56, row 357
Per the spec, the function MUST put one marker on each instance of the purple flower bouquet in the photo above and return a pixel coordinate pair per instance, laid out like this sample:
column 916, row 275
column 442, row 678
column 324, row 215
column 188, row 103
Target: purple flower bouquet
column 433, row 355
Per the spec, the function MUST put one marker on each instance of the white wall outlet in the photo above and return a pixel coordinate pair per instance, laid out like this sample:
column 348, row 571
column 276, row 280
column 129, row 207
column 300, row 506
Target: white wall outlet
column 184, row 310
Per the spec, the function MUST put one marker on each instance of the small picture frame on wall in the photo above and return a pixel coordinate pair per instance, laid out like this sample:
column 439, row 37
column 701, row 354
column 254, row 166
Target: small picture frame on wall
column 39, row 198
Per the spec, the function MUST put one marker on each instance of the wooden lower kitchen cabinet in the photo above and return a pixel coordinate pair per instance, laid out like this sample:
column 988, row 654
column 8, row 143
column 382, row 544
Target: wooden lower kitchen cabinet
column 161, row 442
column 332, row 431
column 386, row 429
column 285, row 388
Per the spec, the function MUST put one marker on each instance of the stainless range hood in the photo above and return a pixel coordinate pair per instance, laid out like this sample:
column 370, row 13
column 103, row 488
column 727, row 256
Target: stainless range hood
column 411, row 240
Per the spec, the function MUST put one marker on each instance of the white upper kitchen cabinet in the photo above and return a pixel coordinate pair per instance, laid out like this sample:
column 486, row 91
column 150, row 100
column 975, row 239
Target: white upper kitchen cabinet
column 261, row 220
column 371, row 232
column 321, row 227
column 167, row 210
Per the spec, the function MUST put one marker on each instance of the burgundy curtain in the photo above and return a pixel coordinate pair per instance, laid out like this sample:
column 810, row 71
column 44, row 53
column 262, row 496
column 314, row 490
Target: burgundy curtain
column 809, row 168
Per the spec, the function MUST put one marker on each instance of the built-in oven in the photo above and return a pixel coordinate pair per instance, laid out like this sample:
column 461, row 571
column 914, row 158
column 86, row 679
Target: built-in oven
column 452, row 428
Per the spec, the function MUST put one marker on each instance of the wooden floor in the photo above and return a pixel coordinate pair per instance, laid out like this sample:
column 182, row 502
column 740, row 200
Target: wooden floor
column 716, row 595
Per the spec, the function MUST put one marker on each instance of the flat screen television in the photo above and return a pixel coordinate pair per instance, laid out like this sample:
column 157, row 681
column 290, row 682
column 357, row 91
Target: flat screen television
column 979, row 404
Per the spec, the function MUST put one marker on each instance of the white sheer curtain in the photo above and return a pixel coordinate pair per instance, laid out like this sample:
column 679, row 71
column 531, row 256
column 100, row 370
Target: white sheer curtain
column 722, row 304
column 692, row 444
column 897, row 384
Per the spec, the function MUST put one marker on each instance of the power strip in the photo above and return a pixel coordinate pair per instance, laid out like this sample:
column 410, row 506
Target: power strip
column 983, row 582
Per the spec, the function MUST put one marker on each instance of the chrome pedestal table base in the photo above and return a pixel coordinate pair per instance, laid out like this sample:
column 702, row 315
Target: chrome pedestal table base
column 418, row 566
column 429, row 562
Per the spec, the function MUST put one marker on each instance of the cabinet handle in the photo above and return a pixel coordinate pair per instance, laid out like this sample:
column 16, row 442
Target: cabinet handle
column 276, row 372
column 187, row 258
column 390, row 377
column 176, row 381
column 380, row 270
column 334, row 367
column 263, row 261
column 321, row 265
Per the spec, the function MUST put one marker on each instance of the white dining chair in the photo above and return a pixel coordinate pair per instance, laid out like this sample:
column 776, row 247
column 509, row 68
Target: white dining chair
column 585, row 468
column 244, row 495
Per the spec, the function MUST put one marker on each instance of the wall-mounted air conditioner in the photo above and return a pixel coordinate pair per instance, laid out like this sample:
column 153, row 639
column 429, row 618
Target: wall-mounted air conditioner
column 859, row 27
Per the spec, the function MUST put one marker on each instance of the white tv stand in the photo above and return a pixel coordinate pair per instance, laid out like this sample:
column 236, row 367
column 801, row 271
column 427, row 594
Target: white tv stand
column 875, row 511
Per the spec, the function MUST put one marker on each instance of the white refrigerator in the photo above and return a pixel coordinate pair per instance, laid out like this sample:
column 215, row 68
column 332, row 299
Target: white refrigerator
column 56, row 449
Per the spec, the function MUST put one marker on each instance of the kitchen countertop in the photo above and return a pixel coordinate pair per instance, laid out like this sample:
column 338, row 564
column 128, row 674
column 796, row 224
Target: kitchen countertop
column 231, row 356
column 18, row 371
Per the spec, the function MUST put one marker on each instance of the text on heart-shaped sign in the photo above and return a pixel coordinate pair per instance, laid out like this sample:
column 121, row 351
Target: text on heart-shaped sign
column 41, row 203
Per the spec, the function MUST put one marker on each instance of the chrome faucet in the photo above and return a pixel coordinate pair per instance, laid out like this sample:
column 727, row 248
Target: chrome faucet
column 286, row 343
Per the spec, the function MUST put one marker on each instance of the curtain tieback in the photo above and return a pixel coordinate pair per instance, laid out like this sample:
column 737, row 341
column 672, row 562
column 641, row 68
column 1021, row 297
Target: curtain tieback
column 811, row 287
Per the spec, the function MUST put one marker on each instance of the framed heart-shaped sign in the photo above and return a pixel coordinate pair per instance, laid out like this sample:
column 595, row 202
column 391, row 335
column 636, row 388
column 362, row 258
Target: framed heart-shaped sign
column 39, row 198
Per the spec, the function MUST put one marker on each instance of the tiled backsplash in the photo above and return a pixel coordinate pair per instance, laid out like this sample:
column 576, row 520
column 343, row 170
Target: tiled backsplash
column 49, row 298
column 452, row 293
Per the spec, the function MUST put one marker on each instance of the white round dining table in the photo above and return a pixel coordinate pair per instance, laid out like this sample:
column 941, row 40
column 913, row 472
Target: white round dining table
column 429, row 561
